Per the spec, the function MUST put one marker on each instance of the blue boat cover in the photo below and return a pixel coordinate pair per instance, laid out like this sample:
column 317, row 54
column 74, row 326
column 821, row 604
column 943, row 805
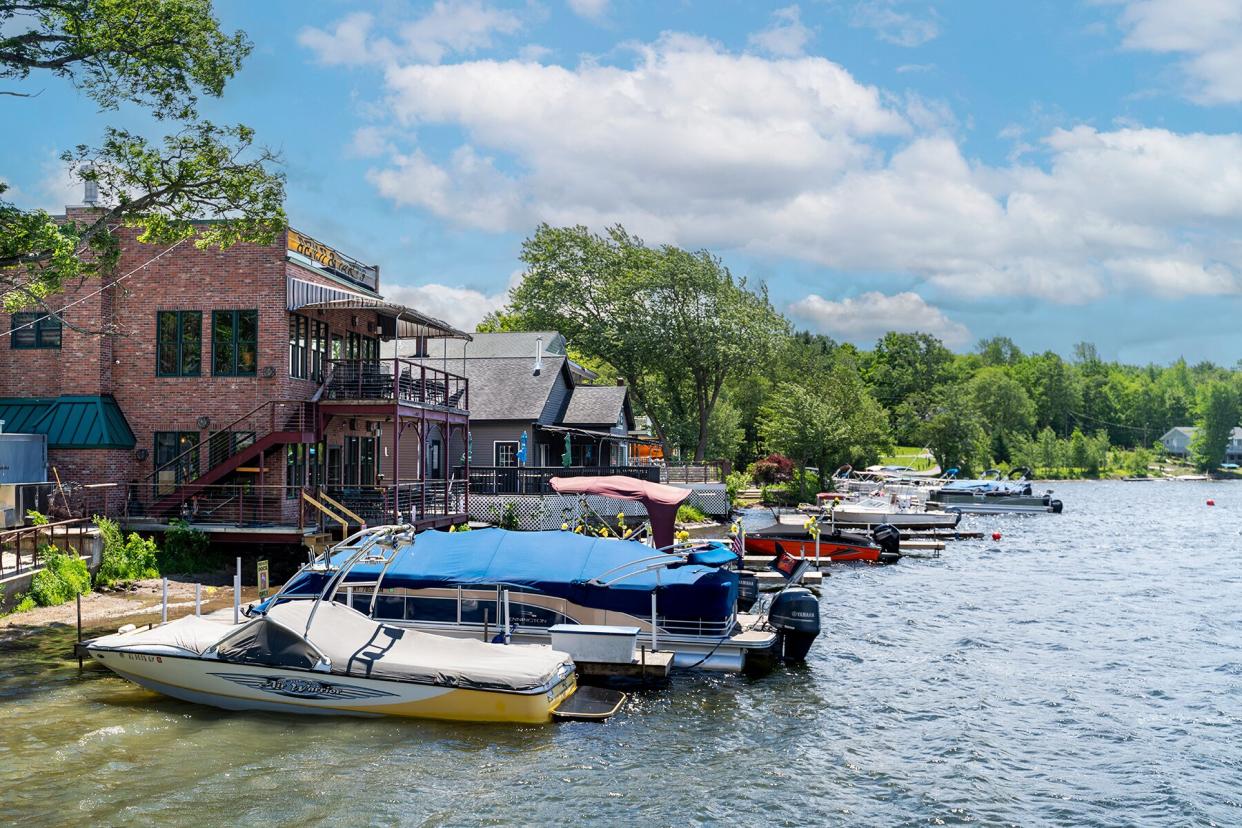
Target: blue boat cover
column 560, row 564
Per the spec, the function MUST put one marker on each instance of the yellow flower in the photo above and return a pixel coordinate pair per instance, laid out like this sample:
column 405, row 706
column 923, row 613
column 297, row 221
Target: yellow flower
column 564, row 527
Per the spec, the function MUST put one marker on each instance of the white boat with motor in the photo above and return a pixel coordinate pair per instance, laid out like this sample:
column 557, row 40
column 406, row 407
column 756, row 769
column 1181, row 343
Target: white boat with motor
column 316, row 655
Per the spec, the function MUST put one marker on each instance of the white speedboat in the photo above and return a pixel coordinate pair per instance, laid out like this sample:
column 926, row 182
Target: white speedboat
column 315, row 655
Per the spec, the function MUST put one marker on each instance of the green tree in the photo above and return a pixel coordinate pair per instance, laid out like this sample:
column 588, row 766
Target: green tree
column 1052, row 387
column 999, row 350
column 161, row 55
column 954, row 432
column 1001, row 402
column 1218, row 416
column 905, row 366
column 674, row 324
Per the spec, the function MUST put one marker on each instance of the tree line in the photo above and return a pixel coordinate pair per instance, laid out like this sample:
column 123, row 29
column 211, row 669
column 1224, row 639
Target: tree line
column 723, row 375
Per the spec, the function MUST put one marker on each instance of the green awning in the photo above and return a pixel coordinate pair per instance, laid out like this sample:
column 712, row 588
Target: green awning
column 71, row 421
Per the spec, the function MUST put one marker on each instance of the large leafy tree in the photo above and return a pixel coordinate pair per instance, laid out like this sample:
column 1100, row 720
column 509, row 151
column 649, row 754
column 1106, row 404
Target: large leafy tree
column 953, row 430
column 675, row 324
column 158, row 54
column 1218, row 415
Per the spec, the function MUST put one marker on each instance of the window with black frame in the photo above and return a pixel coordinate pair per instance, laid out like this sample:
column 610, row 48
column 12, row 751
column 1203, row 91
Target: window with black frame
column 178, row 343
column 30, row 331
column 235, row 343
column 299, row 336
column 175, row 461
column 319, row 353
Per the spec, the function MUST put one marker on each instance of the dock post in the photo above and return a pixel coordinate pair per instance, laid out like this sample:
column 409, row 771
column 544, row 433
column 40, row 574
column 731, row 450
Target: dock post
column 655, row 630
column 485, row 625
column 198, row 599
column 507, row 622
column 79, row 648
column 237, row 594
column 817, row 564
column 164, row 600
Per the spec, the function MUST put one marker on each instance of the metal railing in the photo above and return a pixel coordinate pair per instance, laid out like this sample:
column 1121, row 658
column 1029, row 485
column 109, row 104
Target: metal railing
column 392, row 502
column 228, row 440
column 21, row 549
column 711, row 472
column 395, row 379
column 534, row 479
column 242, row 504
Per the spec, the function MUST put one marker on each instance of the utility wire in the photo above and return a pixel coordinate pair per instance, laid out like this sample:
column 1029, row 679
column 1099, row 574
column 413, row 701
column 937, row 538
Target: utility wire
column 119, row 279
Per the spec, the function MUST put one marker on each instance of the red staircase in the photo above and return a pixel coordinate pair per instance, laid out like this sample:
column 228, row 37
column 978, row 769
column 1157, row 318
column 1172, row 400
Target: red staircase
column 273, row 424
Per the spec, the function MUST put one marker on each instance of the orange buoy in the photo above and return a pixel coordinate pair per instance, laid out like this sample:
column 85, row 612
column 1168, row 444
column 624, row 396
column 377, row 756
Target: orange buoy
column 1211, row 502
column 996, row 536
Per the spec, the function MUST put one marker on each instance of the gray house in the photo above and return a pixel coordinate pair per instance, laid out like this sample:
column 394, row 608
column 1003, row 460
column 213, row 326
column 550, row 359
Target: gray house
column 1176, row 441
column 525, row 383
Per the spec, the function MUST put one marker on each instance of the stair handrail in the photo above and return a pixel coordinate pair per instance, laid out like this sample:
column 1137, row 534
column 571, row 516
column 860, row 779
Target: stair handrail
column 194, row 448
column 340, row 507
column 312, row 501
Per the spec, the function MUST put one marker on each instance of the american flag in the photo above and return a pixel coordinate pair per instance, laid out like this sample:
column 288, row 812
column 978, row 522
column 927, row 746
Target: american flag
column 739, row 545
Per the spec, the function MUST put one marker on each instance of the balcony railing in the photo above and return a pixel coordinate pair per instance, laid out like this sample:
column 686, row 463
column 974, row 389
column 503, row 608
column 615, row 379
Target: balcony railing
column 401, row 380
column 534, row 479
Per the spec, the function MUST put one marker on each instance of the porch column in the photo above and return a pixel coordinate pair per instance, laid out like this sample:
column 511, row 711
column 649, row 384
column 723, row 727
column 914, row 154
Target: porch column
column 396, row 461
column 422, row 464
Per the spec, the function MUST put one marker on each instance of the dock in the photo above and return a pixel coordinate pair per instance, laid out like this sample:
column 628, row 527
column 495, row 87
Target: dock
column 647, row 668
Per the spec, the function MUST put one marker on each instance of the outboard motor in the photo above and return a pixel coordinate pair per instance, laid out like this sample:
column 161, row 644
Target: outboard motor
column 1056, row 507
column 888, row 538
column 795, row 614
column 747, row 590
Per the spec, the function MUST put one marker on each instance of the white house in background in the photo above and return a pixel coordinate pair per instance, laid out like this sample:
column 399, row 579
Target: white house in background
column 1176, row 441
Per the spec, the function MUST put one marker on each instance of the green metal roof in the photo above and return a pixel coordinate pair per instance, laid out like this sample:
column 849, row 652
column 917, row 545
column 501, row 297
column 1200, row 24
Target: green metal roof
column 69, row 421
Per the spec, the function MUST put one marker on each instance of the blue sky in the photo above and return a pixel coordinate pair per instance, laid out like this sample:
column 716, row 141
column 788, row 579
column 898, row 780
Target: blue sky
column 1051, row 170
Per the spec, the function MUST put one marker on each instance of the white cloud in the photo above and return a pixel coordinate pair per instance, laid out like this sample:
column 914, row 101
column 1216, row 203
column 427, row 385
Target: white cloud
column 370, row 142
column 891, row 23
column 794, row 157
column 786, row 36
column 865, row 318
column 590, row 9
column 448, row 27
column 460, row 306
column 1208, row 33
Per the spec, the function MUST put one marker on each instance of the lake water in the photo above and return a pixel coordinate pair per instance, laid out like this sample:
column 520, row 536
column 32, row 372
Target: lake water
column 1085, row 670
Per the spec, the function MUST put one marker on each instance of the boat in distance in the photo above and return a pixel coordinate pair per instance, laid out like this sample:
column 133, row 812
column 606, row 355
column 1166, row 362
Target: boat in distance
column 992, row 494
column 883, row 545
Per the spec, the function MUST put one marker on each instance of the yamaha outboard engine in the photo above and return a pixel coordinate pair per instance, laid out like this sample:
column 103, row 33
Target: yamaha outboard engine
column 747, row 590
column 795, row 614
column 1056, row 507
column 888, row 538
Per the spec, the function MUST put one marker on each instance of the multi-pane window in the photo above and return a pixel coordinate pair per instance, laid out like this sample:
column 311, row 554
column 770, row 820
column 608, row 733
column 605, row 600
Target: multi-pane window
column 318, row 349
column 506, row 453
column 174, row 461
column 359, row 346
column 359, row 465
column 235, row 343
column 178, row 343
column 295, row 469
column 222, row 445
column 34, row 330
column 299, row 336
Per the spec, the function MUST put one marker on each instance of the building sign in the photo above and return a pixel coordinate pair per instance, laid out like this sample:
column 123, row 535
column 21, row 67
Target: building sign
column 262, row 580
column 333, row 260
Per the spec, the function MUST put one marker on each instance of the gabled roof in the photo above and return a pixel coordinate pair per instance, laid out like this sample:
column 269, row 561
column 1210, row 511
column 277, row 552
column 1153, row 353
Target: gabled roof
column 69, row 421
column 505, row 389
column 595, row 405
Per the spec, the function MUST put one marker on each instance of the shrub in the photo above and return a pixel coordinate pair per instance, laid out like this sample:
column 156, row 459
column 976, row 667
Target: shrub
column 37, row 518
column 734, row 483
column 25, row 605
column 185, row 550
column 62, row 577
column 775, row 468
column 124, row 559
column 690, row 514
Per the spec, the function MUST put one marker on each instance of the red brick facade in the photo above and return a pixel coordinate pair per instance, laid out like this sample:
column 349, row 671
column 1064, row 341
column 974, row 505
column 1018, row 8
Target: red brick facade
column 123, row 363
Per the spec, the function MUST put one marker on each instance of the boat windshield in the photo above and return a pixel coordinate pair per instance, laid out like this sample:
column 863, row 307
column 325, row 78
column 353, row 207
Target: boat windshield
column 264, row 641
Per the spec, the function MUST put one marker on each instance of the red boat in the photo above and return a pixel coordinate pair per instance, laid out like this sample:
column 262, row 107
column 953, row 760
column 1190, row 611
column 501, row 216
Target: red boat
column 883, row 546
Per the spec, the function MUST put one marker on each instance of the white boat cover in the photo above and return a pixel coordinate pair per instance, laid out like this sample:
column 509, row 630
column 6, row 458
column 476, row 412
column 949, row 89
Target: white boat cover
column 359, row 646
column 185, row 636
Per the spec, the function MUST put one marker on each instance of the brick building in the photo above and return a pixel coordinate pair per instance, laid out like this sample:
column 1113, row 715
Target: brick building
column 228, row 386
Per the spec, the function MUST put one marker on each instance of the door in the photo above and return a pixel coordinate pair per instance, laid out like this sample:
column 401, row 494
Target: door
column 334, row 465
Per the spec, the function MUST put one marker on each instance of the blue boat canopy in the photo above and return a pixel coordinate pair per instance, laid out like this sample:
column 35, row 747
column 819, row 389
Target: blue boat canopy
column 557, row 563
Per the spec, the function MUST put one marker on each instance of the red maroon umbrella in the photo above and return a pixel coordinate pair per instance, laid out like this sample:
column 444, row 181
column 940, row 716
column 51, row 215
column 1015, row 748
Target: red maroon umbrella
column 661, row 501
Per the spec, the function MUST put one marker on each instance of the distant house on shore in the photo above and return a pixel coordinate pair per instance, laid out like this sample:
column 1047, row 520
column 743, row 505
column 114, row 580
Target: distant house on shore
column 1176, row 441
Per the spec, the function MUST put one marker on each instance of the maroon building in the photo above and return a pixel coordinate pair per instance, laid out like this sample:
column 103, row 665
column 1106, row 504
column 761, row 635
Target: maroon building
column 240, row 389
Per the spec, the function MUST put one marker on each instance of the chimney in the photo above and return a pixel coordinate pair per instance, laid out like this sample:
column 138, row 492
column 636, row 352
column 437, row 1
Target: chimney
column 90, row 196
column 538, row 357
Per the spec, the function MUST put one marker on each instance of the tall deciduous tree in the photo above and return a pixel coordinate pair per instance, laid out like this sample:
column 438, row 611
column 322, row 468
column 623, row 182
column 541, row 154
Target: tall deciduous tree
column 1218, row 416
column 158, row 54
column 675, row 324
